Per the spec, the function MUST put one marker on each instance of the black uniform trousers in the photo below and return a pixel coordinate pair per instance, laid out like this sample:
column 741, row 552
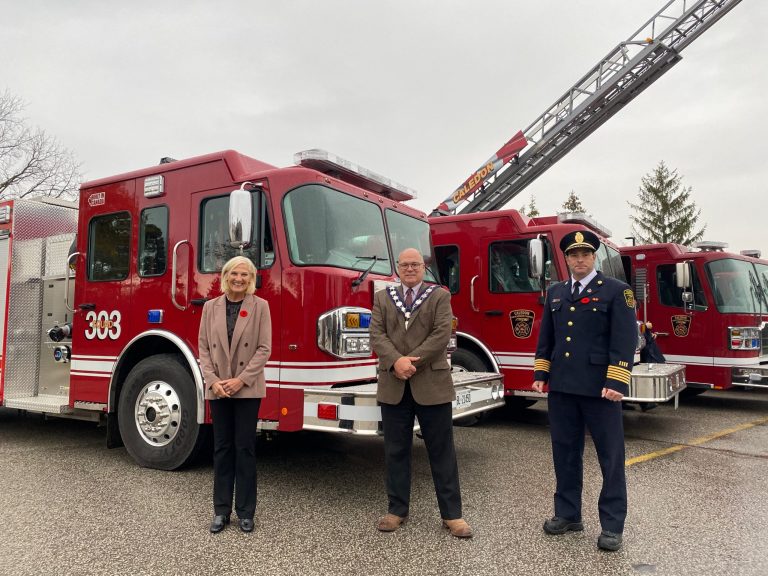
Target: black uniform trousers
column 234, row 455
column 436, row 423
column 568, row 416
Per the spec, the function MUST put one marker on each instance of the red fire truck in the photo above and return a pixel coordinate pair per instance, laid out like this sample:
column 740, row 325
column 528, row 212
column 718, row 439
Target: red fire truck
column 497, row 266
column 709, row 309
column 116, row 338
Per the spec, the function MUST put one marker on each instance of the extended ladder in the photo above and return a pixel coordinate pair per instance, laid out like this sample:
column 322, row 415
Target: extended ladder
column 609, row 86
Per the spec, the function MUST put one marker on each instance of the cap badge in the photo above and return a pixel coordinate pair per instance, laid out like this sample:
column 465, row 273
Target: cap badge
column 579, row 237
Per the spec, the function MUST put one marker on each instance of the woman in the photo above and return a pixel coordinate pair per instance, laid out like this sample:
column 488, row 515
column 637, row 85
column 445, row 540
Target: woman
column 234, row 343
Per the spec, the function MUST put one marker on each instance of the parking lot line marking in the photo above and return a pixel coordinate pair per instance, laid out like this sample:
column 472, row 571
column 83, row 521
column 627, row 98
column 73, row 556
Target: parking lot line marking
column 695, row 442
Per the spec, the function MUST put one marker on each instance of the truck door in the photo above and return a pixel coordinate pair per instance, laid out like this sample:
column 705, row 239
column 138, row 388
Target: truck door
column 508, row 300
column 684, row 336
column 105, row 269
column 210, row 237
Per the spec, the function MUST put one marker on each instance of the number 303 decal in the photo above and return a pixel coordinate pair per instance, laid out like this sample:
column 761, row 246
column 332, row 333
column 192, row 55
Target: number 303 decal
column 103, row 324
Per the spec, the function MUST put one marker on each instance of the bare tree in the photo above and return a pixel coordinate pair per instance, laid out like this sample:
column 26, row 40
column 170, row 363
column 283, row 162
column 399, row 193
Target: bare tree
column 32, row 163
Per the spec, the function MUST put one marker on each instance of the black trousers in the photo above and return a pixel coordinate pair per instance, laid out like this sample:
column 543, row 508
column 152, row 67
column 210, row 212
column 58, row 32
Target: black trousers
column 569, row 414
column 234, row 455
column 437, row 430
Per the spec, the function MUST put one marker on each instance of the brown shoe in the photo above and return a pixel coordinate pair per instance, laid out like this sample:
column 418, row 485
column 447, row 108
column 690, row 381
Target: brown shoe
column 458, row 528
column 390, row 522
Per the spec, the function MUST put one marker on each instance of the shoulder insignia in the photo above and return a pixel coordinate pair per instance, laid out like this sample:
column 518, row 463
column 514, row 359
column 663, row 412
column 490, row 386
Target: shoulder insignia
column 630, row 298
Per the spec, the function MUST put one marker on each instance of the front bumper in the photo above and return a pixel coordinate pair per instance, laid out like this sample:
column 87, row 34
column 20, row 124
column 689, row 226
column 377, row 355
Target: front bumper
column 656, row 382
column 358, row 412
column 754, row 376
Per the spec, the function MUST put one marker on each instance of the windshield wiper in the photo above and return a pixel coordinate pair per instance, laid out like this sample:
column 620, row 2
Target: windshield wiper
column 364, row 274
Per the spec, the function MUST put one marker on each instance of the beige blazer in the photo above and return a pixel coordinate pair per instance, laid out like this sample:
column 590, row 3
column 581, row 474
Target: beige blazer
column 251, row 345
column 427, row 336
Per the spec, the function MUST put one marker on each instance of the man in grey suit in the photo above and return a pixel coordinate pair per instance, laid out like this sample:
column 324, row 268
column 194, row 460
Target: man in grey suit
column 410, row 329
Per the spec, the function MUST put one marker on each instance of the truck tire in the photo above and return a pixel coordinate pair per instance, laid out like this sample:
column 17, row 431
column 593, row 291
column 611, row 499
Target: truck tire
column 519, row 402
column 157, row 413
column 466, row 361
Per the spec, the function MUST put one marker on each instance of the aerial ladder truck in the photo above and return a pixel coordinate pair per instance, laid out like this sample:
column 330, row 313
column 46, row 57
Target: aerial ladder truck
column 498, row 263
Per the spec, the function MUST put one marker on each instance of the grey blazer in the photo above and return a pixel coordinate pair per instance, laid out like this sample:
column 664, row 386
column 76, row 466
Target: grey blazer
column 251, row 345
column 429, row 330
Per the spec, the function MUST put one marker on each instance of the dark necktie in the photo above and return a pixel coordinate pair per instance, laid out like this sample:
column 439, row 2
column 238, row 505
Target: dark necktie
column 576, row 286
column 409, row 297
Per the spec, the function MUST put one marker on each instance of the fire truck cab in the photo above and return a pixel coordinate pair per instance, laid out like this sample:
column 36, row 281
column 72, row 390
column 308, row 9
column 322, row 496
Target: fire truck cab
column 498, row 281
column 708, row 308
column 102, row 304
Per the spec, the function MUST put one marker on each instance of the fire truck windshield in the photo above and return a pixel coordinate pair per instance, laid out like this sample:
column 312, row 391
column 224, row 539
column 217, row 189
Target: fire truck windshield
column 326, row 227
column 409, row 232
column 732, row 288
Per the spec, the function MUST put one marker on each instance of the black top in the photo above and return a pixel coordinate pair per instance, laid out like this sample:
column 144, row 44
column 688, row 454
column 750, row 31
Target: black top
column 233, row 310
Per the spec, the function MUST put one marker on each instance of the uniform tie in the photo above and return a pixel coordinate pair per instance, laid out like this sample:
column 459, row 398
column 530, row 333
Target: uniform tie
column 409, row 298
column 576, row 286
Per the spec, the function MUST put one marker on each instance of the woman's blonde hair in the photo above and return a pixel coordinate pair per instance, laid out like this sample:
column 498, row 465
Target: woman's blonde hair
column 233, row 263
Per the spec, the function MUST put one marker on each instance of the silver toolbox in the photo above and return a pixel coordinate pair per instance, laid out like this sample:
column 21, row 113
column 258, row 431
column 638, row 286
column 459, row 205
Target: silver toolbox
column 656, row 382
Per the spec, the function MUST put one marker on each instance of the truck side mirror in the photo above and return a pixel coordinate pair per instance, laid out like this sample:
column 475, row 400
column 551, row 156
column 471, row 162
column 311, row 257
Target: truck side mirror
column 240, row 217
column 535, row 258
column 683, row 274
column 687, row 297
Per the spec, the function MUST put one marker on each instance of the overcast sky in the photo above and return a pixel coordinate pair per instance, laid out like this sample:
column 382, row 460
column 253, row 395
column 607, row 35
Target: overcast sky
column 420, row 91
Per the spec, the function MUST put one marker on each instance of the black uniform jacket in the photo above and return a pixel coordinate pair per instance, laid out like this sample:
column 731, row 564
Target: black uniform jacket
column 587, row 342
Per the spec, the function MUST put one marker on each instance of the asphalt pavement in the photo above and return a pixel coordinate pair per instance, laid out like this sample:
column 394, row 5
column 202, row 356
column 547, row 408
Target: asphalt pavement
column 697, row 481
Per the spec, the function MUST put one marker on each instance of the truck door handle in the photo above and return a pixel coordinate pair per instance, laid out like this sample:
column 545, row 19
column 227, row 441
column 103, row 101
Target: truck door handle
column 66, row 281
column 662, row 333
column 174, row 254
column 472, row 294
column 86, row 306
column 494, row 313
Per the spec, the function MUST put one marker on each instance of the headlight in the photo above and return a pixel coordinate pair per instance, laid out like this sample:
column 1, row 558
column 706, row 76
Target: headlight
column 741, row 338
column 343, row 332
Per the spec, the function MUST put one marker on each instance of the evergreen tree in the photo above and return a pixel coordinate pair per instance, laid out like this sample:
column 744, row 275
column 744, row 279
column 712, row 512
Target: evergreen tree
column 531, row 211
column 665, row 211
column 573, row 204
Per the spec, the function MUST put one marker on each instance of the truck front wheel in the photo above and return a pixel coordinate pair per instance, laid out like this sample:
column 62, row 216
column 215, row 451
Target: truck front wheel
column 157, row 413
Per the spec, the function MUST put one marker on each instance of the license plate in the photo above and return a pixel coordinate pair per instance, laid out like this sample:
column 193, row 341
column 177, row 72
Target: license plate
column 463, row 399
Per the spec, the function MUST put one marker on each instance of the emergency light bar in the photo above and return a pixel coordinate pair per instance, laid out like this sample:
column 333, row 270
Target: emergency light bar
column 338, row 167
column 711, row 246
column 584, row 220
column 751, row 253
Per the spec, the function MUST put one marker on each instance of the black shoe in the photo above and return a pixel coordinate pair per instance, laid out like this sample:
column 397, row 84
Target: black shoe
column 556, row 526
column 219, row 522
column 246, row 524
column 609, row 541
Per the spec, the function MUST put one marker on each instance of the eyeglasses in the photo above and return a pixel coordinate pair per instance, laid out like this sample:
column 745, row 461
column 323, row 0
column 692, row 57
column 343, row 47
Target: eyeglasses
column 410, row 265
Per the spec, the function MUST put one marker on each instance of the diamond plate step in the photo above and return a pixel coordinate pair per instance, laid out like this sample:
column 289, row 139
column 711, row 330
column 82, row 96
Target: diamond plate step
column 49, row 403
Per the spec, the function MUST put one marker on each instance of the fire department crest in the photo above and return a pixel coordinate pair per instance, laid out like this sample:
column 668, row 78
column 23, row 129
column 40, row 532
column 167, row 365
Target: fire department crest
column 681, row 324
column 579, row 237
column 522, row 322
column 630, row 298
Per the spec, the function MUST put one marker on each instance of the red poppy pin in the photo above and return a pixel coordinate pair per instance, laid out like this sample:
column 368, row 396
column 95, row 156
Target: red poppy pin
column 243, row 313
column 585, row 300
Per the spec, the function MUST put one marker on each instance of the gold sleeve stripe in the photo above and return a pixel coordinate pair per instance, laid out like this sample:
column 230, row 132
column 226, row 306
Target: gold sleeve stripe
column 541, row 365
column 620, row 374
